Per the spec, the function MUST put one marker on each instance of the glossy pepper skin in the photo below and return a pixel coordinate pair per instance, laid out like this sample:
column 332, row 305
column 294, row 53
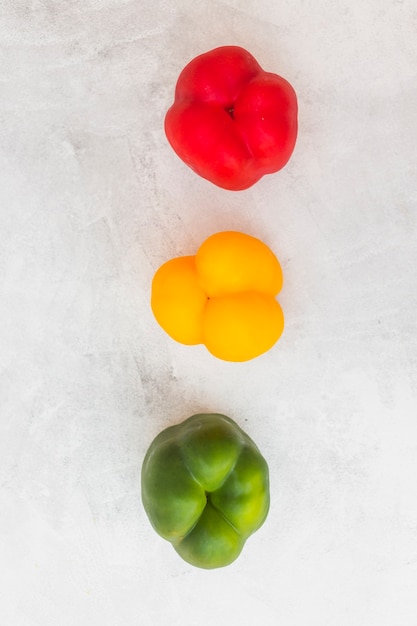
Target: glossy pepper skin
column 223, row 297
column 231, row 121
column 205, row 488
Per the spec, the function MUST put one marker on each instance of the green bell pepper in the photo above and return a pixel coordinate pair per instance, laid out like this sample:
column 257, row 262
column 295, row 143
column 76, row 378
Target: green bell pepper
column 205, row 488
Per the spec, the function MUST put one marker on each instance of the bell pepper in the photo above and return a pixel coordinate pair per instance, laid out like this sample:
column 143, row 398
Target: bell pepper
column 223, row 297
column 205, row 488
column 231, row 121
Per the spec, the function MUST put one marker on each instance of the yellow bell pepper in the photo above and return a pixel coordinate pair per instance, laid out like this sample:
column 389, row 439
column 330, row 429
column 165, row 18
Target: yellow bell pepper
column 223, row 297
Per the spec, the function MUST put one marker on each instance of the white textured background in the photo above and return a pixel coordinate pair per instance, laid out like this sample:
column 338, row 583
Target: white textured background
column 92, row 201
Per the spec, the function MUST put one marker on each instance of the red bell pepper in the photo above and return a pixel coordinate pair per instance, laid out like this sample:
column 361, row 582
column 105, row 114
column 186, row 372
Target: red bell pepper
column 231, row 121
